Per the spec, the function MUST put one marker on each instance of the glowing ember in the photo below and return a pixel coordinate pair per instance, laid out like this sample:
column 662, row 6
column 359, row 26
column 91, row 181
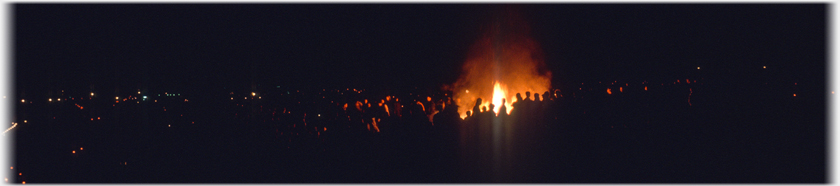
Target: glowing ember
column 503, row 62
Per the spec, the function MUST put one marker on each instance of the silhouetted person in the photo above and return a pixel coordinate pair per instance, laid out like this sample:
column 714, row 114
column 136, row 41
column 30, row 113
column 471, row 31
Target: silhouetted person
column 547, row 96
column 527, row 95
column 477, row 106
column 503, row 109
column 516, row 105
column 469, row 113
column 435, row 112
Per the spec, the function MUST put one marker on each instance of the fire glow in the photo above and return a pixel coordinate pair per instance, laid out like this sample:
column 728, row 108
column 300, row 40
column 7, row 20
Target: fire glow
column 504, row 62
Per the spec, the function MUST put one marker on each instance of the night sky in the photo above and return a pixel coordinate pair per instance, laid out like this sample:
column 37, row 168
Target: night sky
column 193, row 46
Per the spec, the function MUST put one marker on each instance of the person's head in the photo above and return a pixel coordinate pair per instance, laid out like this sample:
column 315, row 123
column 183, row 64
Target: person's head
column 527, row 94
column 484, row 109
column 536, row 97
column 503, row 101
column 492, row 106
column 518, row 97
column 477, row 102
column 469, row 113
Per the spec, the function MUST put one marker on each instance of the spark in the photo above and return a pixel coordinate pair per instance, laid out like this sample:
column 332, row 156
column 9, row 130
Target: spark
column 609, row 91
column 23, row 100
column 7, row 130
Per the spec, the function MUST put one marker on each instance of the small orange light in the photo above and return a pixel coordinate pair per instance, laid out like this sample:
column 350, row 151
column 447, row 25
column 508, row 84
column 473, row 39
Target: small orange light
column 794, row 95
column 81, row 148
column 91, row 119
column 24, row 182
column 20, row 174
column 74, row 152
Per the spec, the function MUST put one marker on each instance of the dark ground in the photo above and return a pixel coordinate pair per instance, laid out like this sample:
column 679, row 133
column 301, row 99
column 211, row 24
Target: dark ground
column 756, row 134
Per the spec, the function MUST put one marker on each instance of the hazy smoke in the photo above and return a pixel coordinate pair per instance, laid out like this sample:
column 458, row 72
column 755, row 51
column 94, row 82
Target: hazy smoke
column 507, row 54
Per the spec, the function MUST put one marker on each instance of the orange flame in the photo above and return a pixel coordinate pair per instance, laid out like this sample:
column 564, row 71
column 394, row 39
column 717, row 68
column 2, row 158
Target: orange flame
column 504, row 62
column 498, row 95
